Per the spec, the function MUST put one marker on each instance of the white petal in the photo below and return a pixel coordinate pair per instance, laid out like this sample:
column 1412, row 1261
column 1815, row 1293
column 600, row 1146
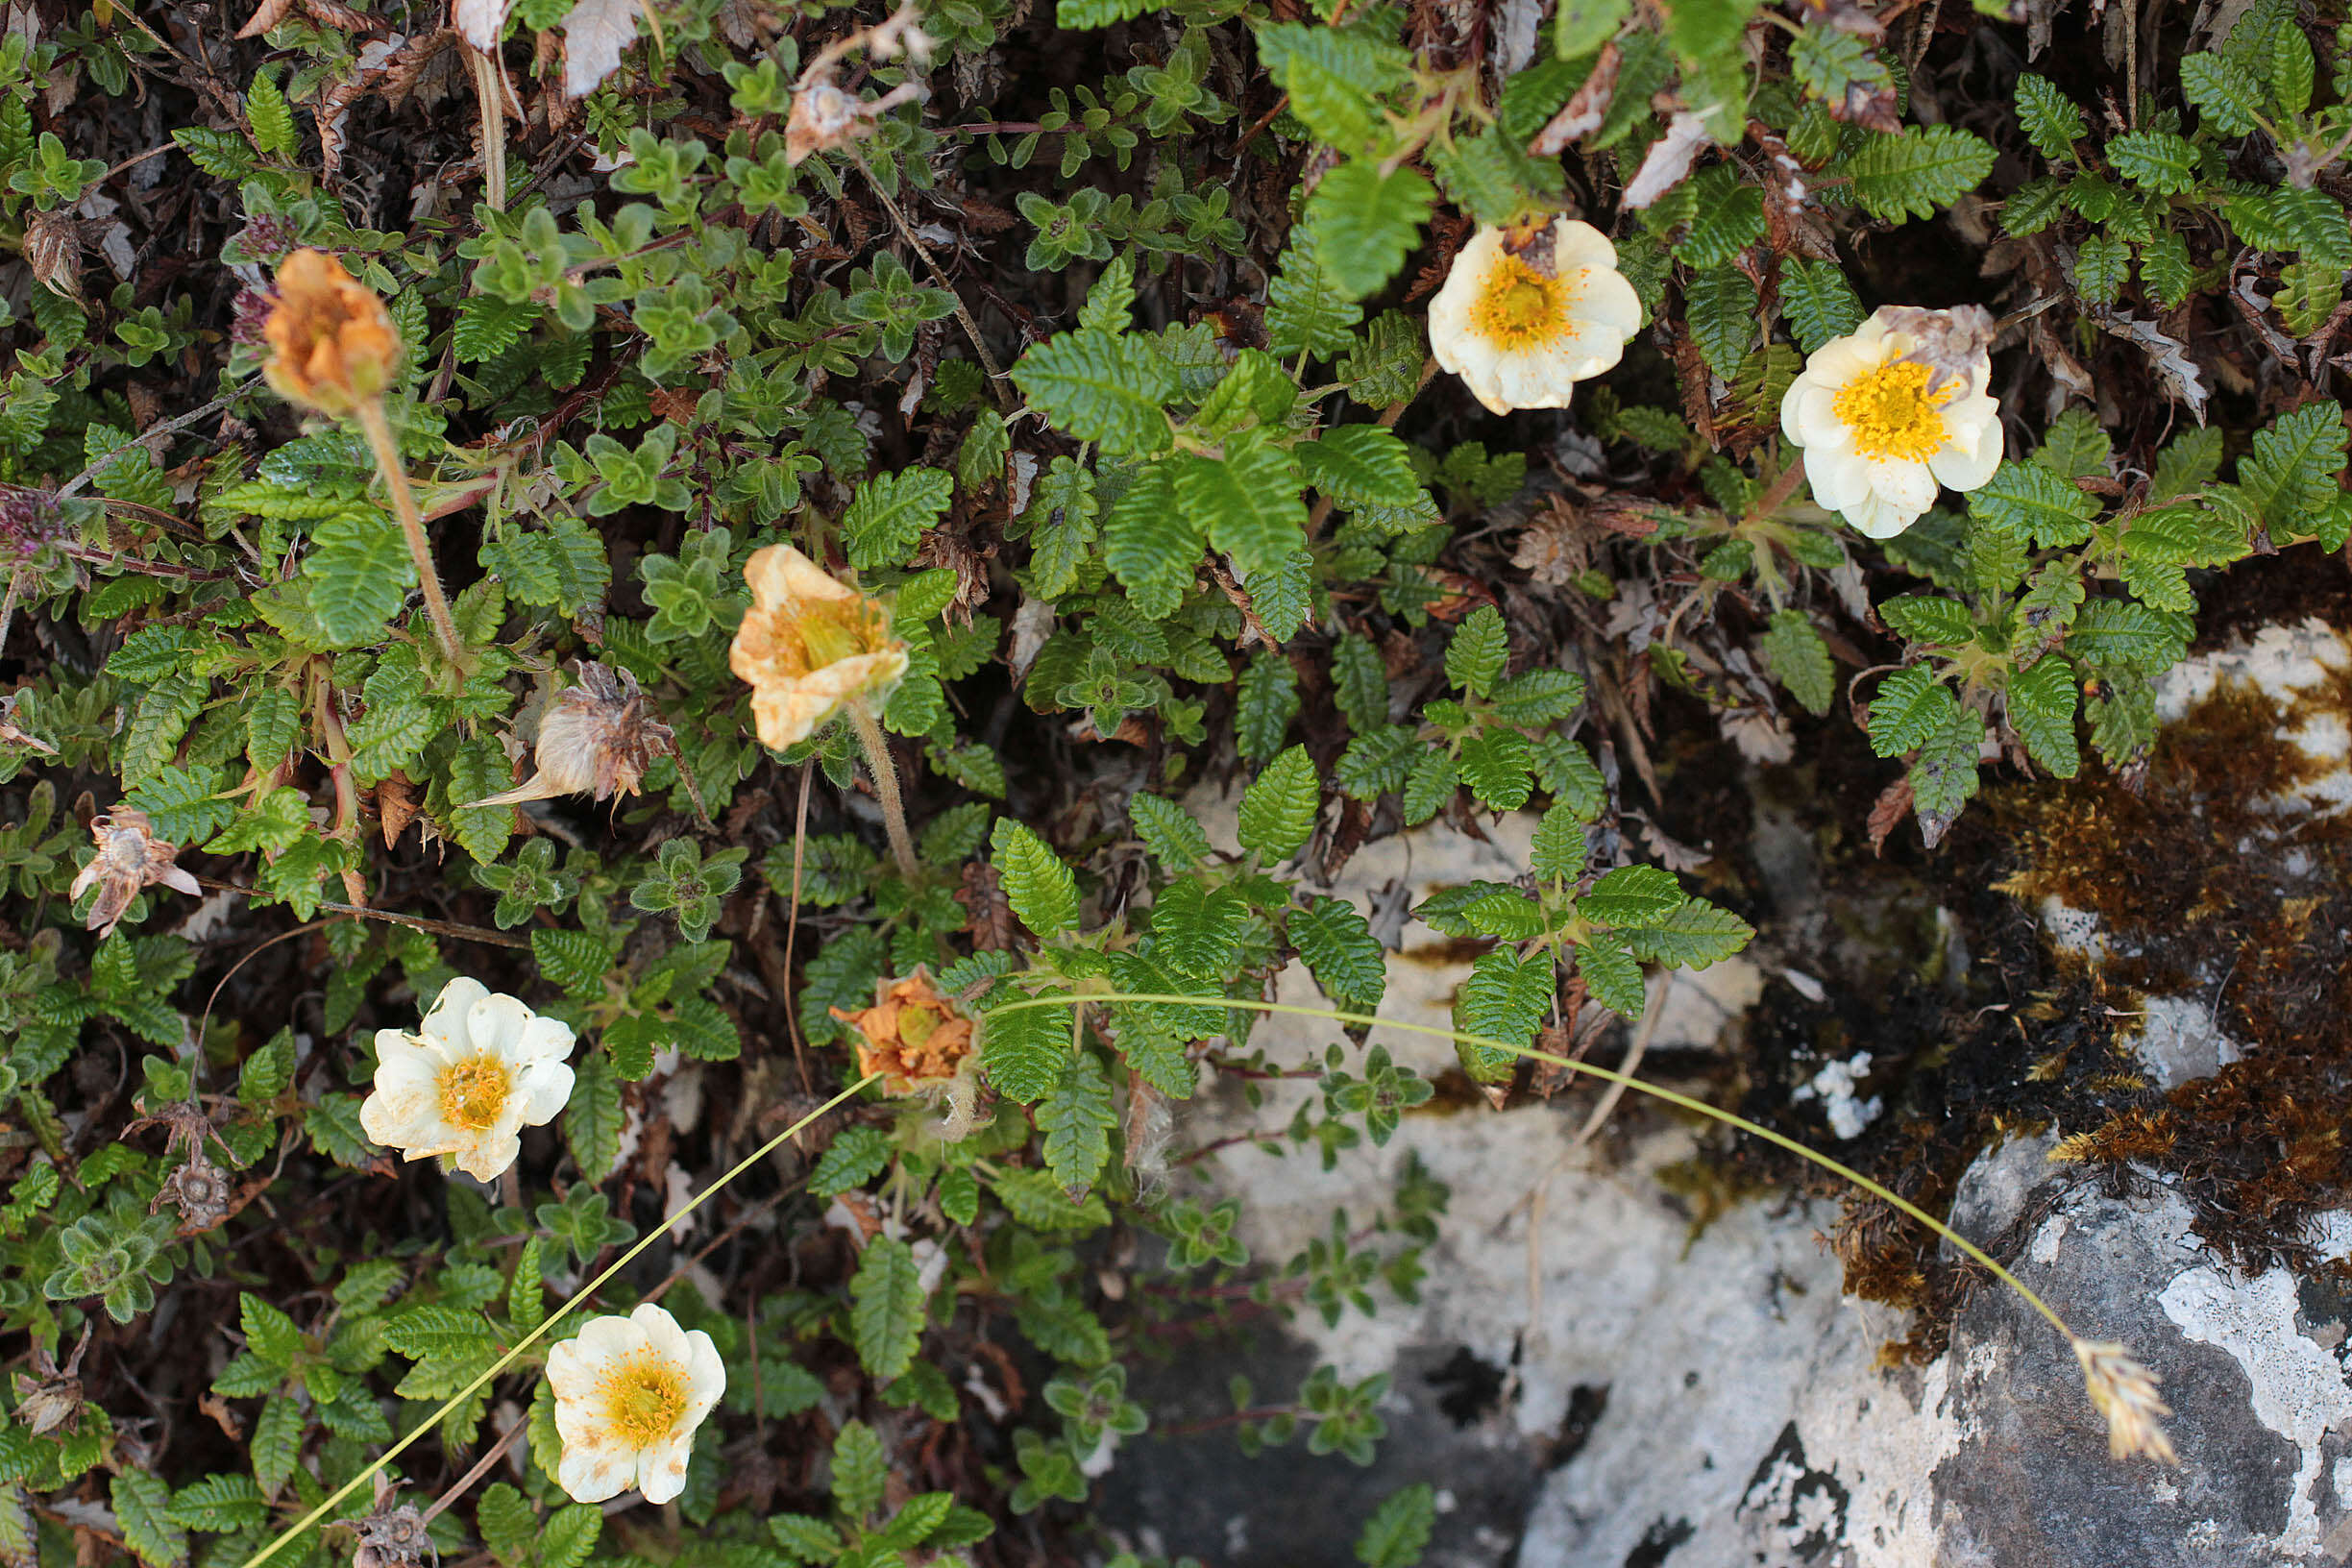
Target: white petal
column 1961, row 465
column 1819, row 429
column 1842, row 358
column 660, row 1331
column 1878, row 518
column 543, row 1040
column 706, row 1377
column 661, row 1469
column 446, row 1023
column 1575, row 244
column 1840, row 480
column 1606, row 299
column 494, row 1023
column 573, row 1369
column 1903, row 483
column 541, row 1090
column 486, row 1155
column 592, row 1473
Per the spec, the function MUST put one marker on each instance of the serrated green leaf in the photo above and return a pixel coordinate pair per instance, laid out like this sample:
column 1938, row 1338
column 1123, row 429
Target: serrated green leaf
column 1694, row 936
column 1365, row 222
column 1172, row 834
column 1078, row 1118
column 1909, row 706
column 1102, row 387
column 2041, row 711
column 1612, row 976
column 1720, row 308
column 142, row 1511
column 1944, row 773
column 1198, row 928
column 889, row 514
column 1152, row 545
column 2223, row 91
column 1925, row 617
column 1399, row 1529
column 1475, row 657
column 1248, row 504
column 2155, row 160
column 1819, row 302
column 2291, row 473
column 359, row 572
column 1917, row 174
column 1023, row 1052
column 1278, row 809
column 2027, row 498
column 1800, row 659
column 1498, row 764
column 886, row 1311
column 1505, row 1000
column 2048, row 118
column 1336, row 942
column 1042, row 891
column 1633, row 895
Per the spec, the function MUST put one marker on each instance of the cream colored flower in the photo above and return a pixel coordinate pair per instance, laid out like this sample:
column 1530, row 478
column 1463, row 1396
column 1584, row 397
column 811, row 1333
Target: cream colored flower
column 808, row 646
column 480, row 1068
column 1882, row 423
column 2124, row 1392
column 1527, row 313
column 629, row 1392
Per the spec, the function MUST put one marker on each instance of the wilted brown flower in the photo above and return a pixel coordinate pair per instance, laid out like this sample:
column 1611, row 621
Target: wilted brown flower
column 332, row 345
column 809, row 646
column 392, row 1538
column 2124, row 1392
column 917, row 1038
column 130, row 858
column 202, row 1192
column 823, row 116
column 51, row 1396
column 596, row 739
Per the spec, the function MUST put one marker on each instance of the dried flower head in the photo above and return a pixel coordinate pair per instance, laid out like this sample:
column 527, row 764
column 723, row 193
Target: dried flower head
column 394, row 1538
column 480, row 1069
column 2124, row 1392
column 1527, row 313
column 596, row 739
column 809, row 646
column 332, row 345
column 130, row 859
column 201, row 1190
column 629, row 1392
column 50, row 1397
column 823, row 115
column 1893, row 411
column 916, row 1038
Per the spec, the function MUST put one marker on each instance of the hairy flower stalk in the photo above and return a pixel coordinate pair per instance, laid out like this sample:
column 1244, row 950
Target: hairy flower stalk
column 333, row 351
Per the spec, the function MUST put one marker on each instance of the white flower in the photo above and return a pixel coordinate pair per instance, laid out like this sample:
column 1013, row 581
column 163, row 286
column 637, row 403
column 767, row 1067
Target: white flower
column 1526, row 314
column 629, row 1392
column 1881, row 426
column 480, row 1068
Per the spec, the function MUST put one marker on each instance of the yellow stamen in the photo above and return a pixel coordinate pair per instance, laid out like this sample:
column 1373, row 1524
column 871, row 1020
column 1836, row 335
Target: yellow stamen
column 474, row 1093
column 1518, row 307
column 1892, row 414
column 643, row 1399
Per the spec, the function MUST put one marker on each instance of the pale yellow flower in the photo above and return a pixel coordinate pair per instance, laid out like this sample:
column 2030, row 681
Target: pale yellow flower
column 629, row 1392
column 480, row 1068
column 809, row 646
column 1527, row 313
column 1884, row 418
column 332, row 345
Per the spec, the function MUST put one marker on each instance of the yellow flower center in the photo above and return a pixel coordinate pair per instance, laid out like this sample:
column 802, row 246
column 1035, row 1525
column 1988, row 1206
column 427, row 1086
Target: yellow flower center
column 643, row 1399
column 473, row 1092
column 1519, row 307
column 822, row 633
column 1892, row 414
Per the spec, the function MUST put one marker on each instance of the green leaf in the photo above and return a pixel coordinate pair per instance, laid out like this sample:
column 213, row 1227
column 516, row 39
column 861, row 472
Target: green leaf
column 277, row 1443
column 1278, row 810
column 1042, row 891
column 273, row 123
column 1172, row 834
column 1944, row 773
column 2119, row 634
column 1721, row 310
column 1696, row 935
column 1366, row 223
column 570, row 1536
column 142, row 1511
column 1612, row 974
column 2048, row 118
column 856, row 1156
column 1336, row 942
column 1264, row 703
column 2041, row 712
column 1247, row 503
column 2291, row 472
column 1023, row 1052
column 591, row 1117
column 218, row 1504
column 861, row 1471
column 1498, row 764
column 1925, row 617
column 888, row 517
column 269, row 1334
column 1910, row 705
column 1078, row 1120
column 1475, row 657
column 1505, row 1000
column 2155, row 160
column 359, row 572
column 1102, row 387
column 1583, row 26
column 2076, row 447
column 1306, row 312
column 1198, row 928
column 1398, row 1532
column 1360, row 683
column 1362, row 465
column 886, row 1313
column 1800, row 659
column 2027, row 498
column 1918, row 173
column 1152, row 545
column 1635, row 896
column 1819, row 302
column 2223, row 91
column 2102, row 266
